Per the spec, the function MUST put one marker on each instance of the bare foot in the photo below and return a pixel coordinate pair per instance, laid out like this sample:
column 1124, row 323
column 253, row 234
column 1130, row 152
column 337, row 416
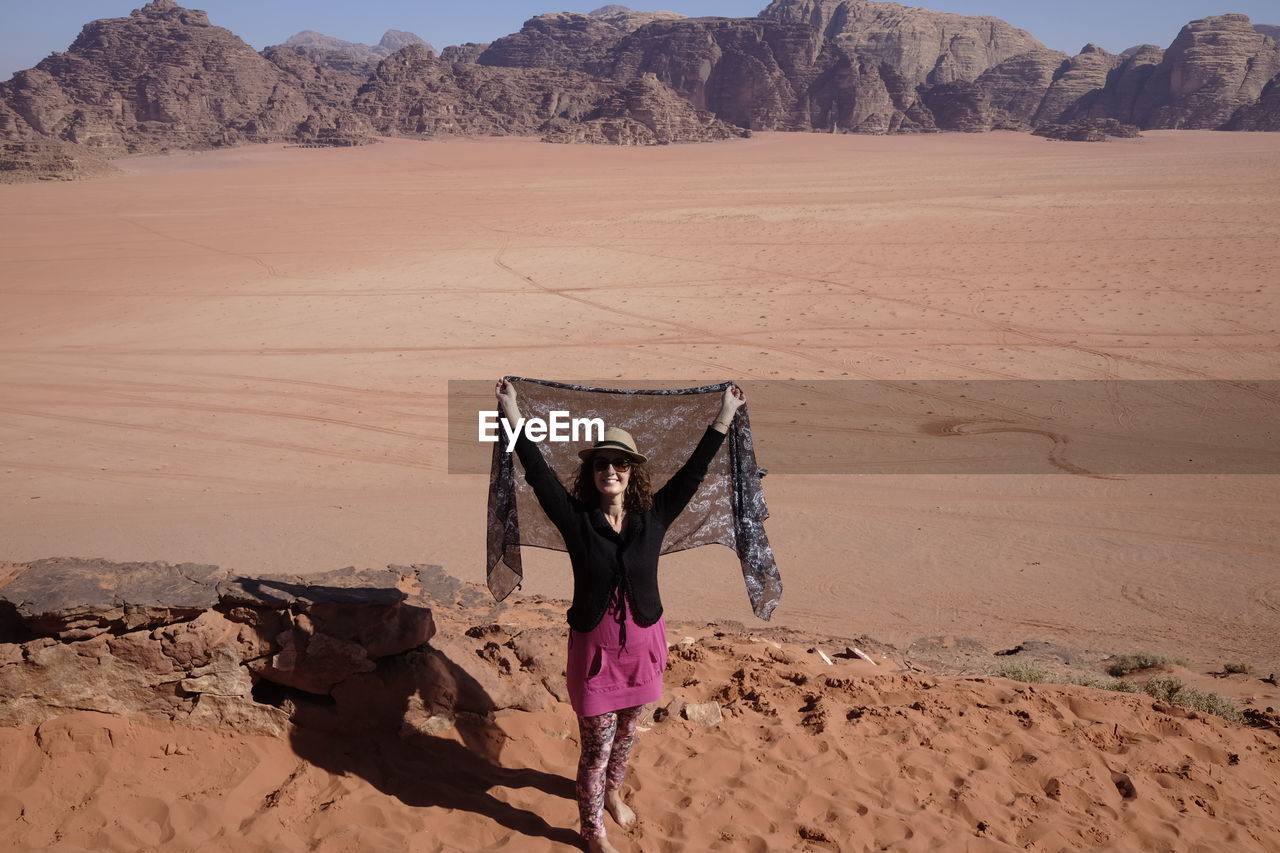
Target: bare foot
column 600, row 845
column 621, row 812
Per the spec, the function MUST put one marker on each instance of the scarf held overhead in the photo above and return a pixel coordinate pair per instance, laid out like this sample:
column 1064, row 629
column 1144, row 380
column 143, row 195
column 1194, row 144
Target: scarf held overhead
column 728, row 509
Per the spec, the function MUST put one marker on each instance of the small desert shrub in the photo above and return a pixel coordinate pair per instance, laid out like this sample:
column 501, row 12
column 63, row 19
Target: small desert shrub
column 1119, row 685
column 1236, row 668
column 1166, row 688
column 1124, row 664
column 1019, row 671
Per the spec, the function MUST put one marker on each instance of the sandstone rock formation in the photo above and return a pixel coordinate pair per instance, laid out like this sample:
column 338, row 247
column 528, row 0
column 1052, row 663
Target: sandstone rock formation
column 1005, row 97
column 1271, row 31
column 1262, row 115
column 765, row 75
column 162, row 77
column 645, row 112
column 48, row 160
column 1077, row 85
column 629, row 20
column 1125, row 83
column 469, row 52
column 565, row 41
column 1213, row 68
column 414, row 94
column 199, row 645
column 392, row 41
column 923, row 46
column 1087, row 130
column 165, row 78
column 328, row 81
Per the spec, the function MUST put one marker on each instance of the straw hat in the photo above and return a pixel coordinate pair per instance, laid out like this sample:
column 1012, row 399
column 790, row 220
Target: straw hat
column 615, row 439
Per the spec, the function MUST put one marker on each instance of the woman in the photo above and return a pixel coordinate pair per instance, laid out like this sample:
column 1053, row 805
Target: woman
column 613, row 526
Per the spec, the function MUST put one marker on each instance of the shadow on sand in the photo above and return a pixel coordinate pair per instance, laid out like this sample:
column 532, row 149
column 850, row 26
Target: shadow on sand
column 378, row 725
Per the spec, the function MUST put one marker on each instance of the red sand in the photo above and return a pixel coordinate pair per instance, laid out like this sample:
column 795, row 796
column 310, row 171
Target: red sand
column 240, row 357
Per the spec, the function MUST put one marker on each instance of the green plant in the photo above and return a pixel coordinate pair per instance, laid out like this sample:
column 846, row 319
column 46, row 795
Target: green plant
column 1020, row 671
column 1166, row 688
column 1134, row 661
column 1119, row 685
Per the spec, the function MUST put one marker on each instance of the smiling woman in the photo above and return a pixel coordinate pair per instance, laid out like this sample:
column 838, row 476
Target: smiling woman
column 613, row 528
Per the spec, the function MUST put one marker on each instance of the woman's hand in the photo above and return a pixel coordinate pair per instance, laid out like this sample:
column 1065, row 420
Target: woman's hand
column 506, row 394
column 732, row 400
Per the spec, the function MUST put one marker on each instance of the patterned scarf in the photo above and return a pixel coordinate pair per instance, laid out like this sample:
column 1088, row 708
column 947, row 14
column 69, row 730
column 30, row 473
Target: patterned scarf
column 728, row 509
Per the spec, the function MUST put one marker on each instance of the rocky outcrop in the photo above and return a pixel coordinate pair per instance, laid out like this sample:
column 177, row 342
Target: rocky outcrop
column 1077, row 85
column 469, row 52
column 645, row 112
column 1118, row 99
column 392, row 41
column 1213, row 68
column 629, row 20
column 1088, row 130
column 48, row 160
column 765, row 75
column 1271, row 31
column 921, row 45
column 1005, row 97
column 162, row 77
column 414, row 94
column 1263, row 115
column 564, row 41
column 328, row 81
column 196, row 643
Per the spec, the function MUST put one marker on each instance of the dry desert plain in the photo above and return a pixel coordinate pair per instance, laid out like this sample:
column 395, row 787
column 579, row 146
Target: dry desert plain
column 241, row 358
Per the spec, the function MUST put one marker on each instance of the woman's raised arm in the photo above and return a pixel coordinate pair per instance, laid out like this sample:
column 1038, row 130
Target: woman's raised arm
column 551, row 493
column 671, row 499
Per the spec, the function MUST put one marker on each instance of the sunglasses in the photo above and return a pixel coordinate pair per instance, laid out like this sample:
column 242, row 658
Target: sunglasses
column 622, row 464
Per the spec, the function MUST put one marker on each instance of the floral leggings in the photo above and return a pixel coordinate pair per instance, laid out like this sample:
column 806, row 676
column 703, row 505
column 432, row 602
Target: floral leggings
column 606, row 748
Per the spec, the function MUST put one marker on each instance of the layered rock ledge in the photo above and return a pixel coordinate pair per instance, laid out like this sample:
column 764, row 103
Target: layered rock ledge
column 203, row 645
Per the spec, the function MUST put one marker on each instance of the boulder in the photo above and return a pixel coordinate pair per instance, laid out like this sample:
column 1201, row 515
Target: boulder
column 703, row 713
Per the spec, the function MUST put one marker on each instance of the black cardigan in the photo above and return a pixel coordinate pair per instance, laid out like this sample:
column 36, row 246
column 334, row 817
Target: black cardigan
column 602, row 560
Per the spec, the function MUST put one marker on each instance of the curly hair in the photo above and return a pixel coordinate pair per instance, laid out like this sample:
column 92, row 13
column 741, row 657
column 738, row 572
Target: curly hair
column 637, row 498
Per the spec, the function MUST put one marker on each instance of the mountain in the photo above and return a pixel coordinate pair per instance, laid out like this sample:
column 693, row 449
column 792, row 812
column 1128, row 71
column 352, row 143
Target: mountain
column 161, row 78
column 414, row 94
column 1214, row 67
column 165, row 77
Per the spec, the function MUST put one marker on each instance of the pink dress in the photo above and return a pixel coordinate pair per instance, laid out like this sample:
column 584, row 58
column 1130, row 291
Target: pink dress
column 602, row 676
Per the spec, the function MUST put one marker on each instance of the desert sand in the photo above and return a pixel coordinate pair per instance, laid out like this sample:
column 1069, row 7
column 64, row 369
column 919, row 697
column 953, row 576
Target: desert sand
column 240, row 358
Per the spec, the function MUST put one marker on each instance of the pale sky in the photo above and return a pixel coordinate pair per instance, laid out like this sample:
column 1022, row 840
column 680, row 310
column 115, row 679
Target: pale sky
column 29, row 31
